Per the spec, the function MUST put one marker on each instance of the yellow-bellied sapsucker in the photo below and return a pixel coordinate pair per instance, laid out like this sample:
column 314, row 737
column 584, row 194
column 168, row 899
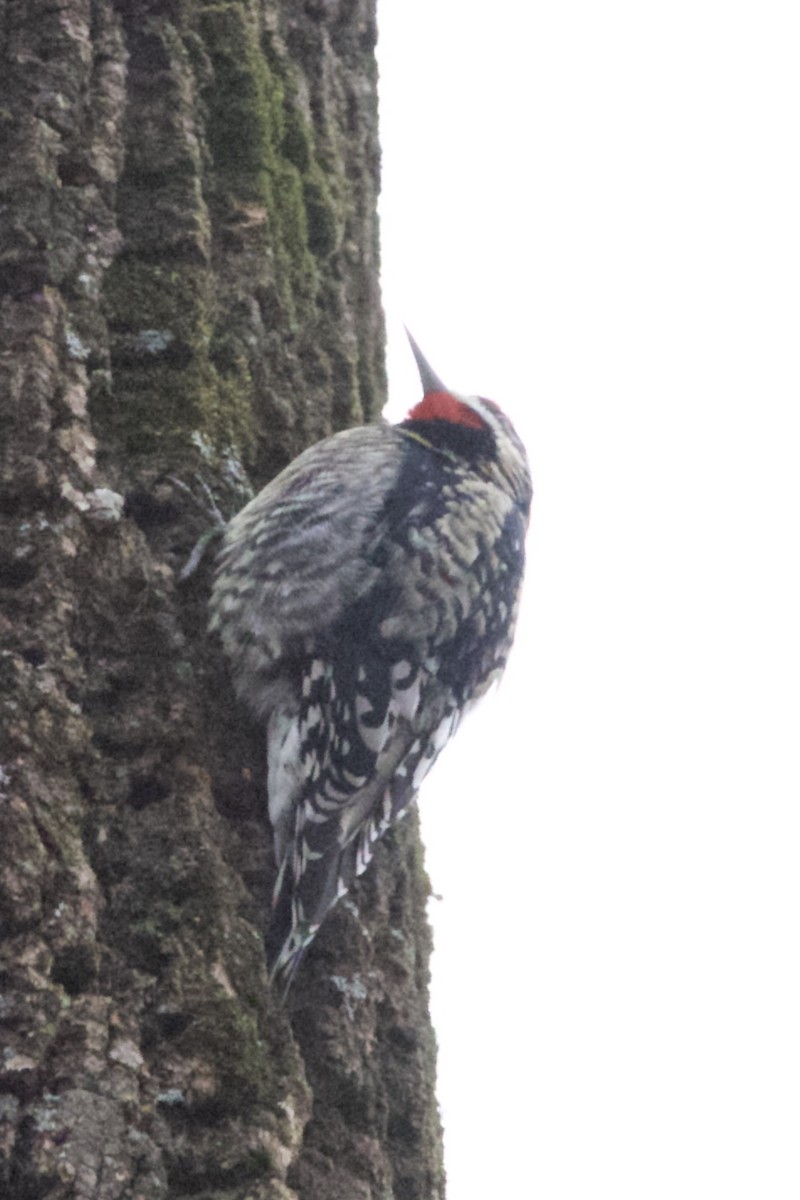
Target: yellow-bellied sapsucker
column 366, row 599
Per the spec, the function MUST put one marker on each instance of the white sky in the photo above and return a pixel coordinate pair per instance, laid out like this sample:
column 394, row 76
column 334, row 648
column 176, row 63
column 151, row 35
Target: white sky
column 591, row 214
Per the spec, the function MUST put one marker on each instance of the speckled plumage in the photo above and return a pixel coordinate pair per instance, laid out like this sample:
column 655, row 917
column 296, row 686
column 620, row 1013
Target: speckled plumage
column 366, row 598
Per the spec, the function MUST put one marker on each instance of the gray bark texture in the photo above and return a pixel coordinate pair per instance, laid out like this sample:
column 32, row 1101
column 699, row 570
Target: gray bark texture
column 188, row 288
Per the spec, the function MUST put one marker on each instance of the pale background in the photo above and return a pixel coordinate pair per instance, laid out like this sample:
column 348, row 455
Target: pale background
column 590, row 214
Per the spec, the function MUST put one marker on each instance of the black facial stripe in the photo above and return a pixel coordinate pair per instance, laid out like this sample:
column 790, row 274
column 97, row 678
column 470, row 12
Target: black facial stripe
column 471, row 444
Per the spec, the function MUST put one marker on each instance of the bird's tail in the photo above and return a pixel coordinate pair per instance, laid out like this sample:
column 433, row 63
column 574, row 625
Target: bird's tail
column 300, row 902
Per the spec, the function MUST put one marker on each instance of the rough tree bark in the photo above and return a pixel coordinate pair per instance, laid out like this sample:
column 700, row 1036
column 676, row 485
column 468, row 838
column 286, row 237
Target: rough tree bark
column 188, row 284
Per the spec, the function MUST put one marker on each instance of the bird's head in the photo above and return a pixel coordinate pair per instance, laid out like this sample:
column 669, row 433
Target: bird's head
column 472, row 427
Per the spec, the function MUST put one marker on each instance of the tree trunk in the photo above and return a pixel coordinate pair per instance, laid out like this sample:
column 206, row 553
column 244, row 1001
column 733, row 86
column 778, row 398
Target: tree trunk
column 188, row 288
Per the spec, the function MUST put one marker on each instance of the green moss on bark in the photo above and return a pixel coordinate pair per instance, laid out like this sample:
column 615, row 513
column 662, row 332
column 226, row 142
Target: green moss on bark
column 246, row 134
column 239, row 194
column 168, row 389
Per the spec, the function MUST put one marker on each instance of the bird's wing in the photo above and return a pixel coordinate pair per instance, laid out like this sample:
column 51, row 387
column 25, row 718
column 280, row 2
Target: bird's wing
column 329, row 846
column 293, row 560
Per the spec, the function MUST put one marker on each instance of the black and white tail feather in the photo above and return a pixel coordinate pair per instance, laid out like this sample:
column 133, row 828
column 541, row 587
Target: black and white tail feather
column 368, row 765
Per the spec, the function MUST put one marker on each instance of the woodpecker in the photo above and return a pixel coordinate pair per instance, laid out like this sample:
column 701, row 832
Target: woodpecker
column 366, row 599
